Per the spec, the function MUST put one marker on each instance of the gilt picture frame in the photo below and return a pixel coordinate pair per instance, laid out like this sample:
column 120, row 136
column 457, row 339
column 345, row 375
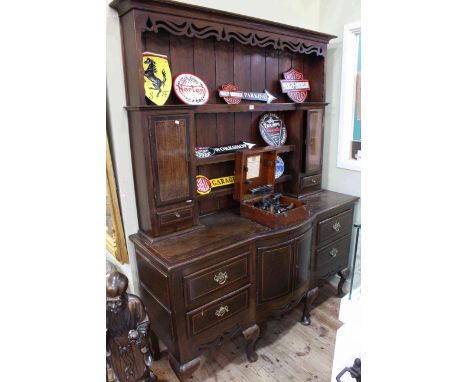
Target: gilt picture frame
column 115, row 237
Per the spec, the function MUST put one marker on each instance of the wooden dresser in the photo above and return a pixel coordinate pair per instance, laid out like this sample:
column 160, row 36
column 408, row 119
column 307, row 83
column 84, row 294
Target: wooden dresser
column 206, row 273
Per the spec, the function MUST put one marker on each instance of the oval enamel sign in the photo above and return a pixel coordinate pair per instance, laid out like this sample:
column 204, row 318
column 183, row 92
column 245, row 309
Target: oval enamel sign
column 191, row 89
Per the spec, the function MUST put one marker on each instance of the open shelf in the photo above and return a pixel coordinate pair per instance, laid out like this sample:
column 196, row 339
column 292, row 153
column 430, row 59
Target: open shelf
column 232, row 156
column 226, row 108
column 230, row 190
column 217, row 193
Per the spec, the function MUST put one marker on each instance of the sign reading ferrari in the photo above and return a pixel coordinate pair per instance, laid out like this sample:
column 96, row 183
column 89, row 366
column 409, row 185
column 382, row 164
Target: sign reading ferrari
column 158, row 79
column 295, row 85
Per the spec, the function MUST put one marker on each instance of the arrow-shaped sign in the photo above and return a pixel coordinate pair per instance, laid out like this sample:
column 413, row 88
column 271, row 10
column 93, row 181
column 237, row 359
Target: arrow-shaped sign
column 233, row 95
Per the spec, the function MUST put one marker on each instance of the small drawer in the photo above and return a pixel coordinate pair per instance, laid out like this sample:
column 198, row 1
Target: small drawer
column 217, row 312
column 174, row 216
column 311, row 181
column 333, row 254
column 220, row 278
column 334, row 227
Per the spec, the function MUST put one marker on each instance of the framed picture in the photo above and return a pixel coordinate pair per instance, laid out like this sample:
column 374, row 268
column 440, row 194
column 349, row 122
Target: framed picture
column 115, row 237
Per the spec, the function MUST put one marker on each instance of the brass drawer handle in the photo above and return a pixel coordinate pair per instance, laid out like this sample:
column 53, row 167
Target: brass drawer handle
column 333, row 252
column 337, row 226
column 177, row 215
column 222, row 311
column 221, row 278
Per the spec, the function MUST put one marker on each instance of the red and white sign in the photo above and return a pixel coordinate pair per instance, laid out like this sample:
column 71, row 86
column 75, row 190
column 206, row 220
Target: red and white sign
column 191, row 89
column 295, row 85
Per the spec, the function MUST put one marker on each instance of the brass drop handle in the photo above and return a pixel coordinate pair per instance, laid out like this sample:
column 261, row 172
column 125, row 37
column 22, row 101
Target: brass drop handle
column 222, row 311
column 337, row 226
column 177, row 215
column 220, row 277
column 333, row 252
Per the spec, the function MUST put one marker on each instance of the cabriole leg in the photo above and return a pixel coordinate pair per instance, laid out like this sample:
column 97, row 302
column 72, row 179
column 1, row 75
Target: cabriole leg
column 343, row 276
column 251, row 336
column 308, row 301
column 184, row 371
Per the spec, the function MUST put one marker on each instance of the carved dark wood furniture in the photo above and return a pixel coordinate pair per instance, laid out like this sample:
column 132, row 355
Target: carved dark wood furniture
column 206, row 272
column 128, row 347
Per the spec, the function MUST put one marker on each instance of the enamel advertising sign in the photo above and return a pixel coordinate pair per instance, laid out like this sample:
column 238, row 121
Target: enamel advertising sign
column 191, row 89
column 272, row 129
column 204, row 185
column 232, row 95
column 295, row 85
column 158, row 79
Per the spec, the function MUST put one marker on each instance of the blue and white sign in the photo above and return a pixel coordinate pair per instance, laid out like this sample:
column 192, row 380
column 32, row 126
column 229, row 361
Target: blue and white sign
column 279, row 167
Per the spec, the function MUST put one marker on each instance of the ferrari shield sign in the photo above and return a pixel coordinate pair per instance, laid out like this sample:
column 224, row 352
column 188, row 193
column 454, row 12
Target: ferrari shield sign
column 158, row 79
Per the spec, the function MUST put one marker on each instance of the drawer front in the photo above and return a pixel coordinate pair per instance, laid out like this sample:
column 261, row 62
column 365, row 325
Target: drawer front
column 335, row 227
column 174, row 216
column 311, row 181
column 333, row 256
column 220, row 278
column 215, row 313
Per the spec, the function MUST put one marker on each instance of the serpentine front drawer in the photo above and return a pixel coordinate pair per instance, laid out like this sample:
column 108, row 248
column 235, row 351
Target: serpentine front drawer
column 217, row 280
column 217, row 312
column 333, row 257
column 334, row 227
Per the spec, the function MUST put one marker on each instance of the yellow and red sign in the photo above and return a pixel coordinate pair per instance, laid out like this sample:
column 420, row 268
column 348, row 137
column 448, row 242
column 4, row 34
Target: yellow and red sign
column 204, row 185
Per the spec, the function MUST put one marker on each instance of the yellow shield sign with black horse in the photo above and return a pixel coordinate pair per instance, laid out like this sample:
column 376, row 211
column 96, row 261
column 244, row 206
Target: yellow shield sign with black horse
column 158, row 79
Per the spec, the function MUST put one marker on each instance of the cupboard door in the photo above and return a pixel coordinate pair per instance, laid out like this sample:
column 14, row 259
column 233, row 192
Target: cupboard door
column 314, row 139
column 170, row 146
column 274, row 271
column 303, row 253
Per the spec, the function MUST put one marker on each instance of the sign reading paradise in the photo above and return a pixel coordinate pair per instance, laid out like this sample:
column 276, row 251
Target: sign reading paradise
column 204, row 185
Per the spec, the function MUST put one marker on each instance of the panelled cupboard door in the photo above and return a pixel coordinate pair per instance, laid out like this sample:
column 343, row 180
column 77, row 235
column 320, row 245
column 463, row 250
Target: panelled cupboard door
column 275, row 266
column 303, row 254
column 313, row 141
column 170, row 148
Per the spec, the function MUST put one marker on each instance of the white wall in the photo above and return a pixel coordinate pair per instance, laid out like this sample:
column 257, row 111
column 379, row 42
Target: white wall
column 333, row 15
column 300, row 13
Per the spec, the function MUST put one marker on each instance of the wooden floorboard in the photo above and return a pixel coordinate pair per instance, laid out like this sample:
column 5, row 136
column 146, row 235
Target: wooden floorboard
column 287, row 350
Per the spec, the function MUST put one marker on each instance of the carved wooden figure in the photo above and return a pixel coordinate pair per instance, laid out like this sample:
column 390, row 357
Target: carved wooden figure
column 127, row 325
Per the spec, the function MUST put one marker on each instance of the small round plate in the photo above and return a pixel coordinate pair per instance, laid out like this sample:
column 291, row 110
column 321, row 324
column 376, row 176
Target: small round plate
column 279, row 167
column 191, row 89
column 272, row 129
